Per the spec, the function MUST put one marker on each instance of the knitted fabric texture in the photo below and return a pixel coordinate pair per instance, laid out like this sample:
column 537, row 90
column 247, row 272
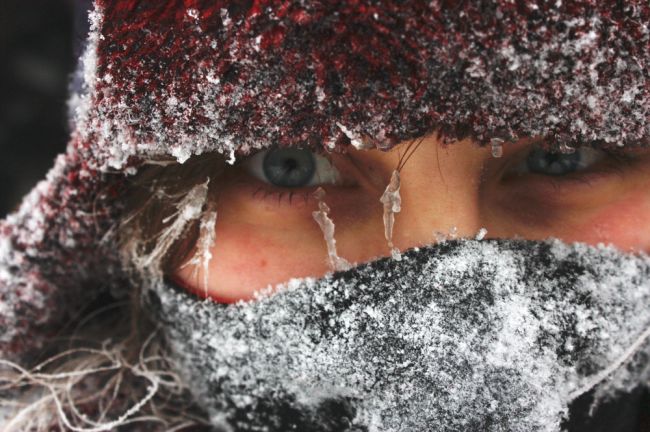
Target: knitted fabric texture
column 492, row 335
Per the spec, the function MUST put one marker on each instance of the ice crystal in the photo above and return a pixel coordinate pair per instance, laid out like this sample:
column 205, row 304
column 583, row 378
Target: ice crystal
column 439, row 237
column 496, row 147
column 321, row 216
column 392, row 202
column 357, row 141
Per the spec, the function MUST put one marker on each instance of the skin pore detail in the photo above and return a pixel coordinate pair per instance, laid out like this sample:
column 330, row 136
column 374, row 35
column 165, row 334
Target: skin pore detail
column 266, row 235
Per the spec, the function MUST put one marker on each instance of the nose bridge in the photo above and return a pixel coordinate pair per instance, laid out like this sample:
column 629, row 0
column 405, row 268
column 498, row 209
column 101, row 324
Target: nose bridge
column 440, row 194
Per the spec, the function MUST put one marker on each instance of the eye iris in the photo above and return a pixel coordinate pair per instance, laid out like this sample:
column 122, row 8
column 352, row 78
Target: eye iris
column 290, row 167
column 555, row 164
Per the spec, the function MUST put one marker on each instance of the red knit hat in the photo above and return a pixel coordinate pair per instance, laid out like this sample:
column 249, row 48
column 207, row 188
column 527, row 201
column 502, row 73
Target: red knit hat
column 184, row 77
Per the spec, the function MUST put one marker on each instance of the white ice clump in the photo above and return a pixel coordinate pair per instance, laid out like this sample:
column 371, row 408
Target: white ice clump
column 326, row 225
column 231, row 157
column 480, row 235
column 439, row 237
column 392, row 202
column 357, row 141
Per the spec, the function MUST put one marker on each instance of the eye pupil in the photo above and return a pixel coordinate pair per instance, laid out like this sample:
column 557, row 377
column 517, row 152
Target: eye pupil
column 289, row 167
column 542, row 162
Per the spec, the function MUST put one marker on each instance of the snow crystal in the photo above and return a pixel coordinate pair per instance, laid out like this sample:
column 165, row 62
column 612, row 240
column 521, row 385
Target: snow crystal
column 464, row 335
column 80, row 103
column 225, row 17
column 320, row 97
column 572, row 94
column 481, row 234
column 356, row 140
column 172, row 101
column 439, row 237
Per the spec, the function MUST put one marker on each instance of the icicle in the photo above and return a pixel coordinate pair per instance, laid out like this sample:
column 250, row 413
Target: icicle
column 327, row 227
column 392, row 202
column 203, row 254
column 497, row 147
column 481, row 234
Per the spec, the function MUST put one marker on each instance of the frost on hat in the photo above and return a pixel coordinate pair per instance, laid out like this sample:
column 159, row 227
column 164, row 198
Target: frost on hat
column 194, row 76
column 184, row 77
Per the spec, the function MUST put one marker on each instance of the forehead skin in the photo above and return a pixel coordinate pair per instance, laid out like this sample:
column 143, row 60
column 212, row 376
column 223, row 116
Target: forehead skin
column 236, row 75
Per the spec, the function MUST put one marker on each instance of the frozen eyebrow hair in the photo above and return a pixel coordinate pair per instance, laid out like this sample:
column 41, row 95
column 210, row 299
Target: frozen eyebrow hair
column 157, row 232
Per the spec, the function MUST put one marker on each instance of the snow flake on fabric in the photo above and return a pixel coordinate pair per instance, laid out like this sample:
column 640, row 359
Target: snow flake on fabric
column 169, row 78
column 466, row 335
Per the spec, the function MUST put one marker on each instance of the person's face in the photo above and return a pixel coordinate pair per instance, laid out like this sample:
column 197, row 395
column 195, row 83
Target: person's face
column 266, row 232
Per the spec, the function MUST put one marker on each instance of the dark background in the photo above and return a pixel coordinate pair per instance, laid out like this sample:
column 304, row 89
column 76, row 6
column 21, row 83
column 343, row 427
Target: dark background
column 38, row 44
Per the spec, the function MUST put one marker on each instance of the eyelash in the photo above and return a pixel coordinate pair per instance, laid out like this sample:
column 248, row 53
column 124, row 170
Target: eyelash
column 269, row 193
column 613, row 163
column 574, row 185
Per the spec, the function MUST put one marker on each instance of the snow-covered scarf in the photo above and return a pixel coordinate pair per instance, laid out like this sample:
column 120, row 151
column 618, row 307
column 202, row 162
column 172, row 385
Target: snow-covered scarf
column 465, row 335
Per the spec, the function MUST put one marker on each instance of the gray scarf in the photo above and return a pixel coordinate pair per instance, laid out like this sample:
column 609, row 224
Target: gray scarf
column 462, row 336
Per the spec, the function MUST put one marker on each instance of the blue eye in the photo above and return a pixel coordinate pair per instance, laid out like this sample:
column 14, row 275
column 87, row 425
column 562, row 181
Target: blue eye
column 291, row 167
column 547, row 163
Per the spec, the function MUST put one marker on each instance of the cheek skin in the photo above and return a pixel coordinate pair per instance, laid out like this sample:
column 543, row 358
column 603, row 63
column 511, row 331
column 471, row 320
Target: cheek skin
column 613, row 209
column 625, row 224
column 620, row 218
column 261, row 243
column 245, row 259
